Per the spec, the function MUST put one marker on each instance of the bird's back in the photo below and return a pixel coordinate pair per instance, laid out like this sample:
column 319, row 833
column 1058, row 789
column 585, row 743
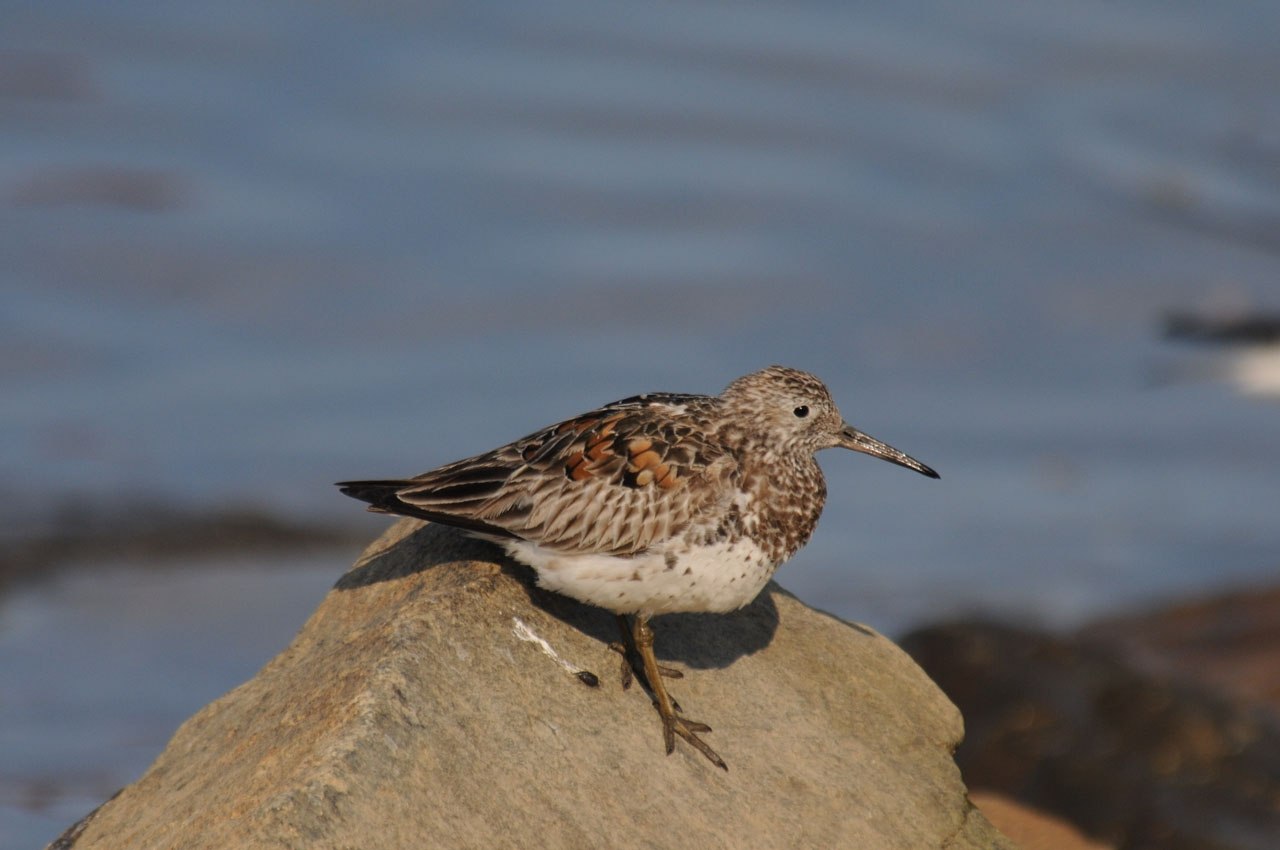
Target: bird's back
column 612, row 481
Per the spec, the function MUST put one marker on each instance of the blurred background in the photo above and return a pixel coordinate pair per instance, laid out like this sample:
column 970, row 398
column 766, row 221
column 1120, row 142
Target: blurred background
column 248, row 249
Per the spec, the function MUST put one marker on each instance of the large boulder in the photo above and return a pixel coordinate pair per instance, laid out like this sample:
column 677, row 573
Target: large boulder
column 418, row 708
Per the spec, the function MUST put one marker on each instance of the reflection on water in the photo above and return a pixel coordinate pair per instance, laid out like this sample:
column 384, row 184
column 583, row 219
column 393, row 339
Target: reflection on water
column 250, row 249
column 1246, row 351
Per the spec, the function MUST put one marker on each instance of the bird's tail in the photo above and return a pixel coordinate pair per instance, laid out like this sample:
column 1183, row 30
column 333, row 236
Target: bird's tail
column 382, row 496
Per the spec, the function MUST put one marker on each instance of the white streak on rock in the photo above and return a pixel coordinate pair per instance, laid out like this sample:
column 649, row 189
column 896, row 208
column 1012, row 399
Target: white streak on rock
column 523, row 632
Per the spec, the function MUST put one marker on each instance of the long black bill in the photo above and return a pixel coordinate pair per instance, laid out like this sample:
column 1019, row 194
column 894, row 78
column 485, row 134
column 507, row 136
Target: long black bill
column 852, row 438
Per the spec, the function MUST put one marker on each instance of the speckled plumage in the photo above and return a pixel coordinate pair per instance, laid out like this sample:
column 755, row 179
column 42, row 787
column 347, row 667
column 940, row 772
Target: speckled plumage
column 653, row 504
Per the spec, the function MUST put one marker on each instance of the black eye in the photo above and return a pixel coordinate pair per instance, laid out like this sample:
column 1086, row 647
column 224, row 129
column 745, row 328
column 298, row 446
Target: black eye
column 802, row 411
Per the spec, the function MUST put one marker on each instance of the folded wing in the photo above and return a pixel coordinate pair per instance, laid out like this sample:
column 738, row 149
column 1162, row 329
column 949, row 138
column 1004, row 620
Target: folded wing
column 614, row 480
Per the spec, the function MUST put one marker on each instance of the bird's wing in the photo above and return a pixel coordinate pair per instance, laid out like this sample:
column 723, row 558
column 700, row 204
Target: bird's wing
column 614, row 480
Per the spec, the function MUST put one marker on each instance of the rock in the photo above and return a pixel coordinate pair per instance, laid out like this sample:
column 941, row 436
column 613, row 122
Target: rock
column 1228, row 642
column 408, row 713
column 1135, row 760
column 1031, row 829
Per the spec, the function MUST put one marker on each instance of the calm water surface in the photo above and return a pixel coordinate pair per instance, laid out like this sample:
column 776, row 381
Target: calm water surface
column 248, row 249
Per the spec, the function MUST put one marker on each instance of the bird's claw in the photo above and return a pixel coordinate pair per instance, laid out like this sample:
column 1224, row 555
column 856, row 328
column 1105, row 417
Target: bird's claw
column 688, row 730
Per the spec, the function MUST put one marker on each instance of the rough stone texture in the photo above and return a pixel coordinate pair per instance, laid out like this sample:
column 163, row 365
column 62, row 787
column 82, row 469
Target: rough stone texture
column 408, row 714
column 1136, row 760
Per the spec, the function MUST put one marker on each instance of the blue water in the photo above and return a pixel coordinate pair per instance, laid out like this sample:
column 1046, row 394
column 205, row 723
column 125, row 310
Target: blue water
column 248, row 249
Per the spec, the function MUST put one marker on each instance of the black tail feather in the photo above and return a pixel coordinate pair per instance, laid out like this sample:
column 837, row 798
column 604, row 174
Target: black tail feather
column 384, row 497
column 381, row 495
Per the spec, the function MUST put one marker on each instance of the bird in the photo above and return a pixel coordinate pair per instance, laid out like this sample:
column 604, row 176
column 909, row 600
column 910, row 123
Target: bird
column 653, row 504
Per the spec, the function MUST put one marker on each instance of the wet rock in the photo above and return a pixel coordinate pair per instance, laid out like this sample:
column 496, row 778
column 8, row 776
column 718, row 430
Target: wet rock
column 1228, row 642
column 435, row 699
column 1136, row 760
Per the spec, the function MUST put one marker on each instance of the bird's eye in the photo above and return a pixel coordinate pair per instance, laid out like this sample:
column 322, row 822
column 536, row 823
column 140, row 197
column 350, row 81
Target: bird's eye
column 802, row 411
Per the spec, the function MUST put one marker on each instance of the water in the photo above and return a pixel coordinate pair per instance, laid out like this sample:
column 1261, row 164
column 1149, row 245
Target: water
column 101, row 665
column 249, row 249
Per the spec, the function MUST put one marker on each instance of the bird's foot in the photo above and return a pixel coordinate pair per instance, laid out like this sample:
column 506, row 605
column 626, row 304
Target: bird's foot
column 629, row 663
column 628, row 672
column 674, row 724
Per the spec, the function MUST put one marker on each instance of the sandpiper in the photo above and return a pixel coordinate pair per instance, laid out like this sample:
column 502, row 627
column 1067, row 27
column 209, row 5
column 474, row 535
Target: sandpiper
column 654, row 504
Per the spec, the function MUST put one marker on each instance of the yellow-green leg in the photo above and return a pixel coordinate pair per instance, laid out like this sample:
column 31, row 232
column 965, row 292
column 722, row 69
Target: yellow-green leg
column 624, row 649
column 672, row 723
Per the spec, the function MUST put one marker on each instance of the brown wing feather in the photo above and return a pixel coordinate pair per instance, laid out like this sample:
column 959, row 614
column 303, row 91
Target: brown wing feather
column 614, row 480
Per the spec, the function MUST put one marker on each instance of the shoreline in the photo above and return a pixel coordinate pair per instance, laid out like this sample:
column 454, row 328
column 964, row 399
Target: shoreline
column 161, row 537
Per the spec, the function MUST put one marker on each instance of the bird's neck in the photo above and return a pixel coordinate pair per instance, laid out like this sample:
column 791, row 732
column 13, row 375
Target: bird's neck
column 786, row 494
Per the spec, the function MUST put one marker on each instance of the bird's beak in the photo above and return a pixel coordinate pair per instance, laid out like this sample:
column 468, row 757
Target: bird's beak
column 852, row 438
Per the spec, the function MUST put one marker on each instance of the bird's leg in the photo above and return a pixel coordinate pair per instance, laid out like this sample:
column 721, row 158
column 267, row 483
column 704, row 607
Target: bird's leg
column 625, row 649
column 672, row 723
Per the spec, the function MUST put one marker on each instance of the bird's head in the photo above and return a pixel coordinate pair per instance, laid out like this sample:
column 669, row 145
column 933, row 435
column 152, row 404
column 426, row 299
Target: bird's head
column 794, row 411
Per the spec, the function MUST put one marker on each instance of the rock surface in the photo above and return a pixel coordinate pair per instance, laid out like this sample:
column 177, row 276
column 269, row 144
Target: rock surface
column 408, row 713
column 1228, row 642
column 1031, row 829
column 1135, row 760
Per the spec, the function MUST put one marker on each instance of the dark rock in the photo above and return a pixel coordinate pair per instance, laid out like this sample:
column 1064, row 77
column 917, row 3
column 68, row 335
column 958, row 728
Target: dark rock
column 1228, row 642
column 1136, row 760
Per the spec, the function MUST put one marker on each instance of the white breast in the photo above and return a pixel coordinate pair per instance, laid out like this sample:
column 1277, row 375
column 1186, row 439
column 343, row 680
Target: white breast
column 721, row 577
